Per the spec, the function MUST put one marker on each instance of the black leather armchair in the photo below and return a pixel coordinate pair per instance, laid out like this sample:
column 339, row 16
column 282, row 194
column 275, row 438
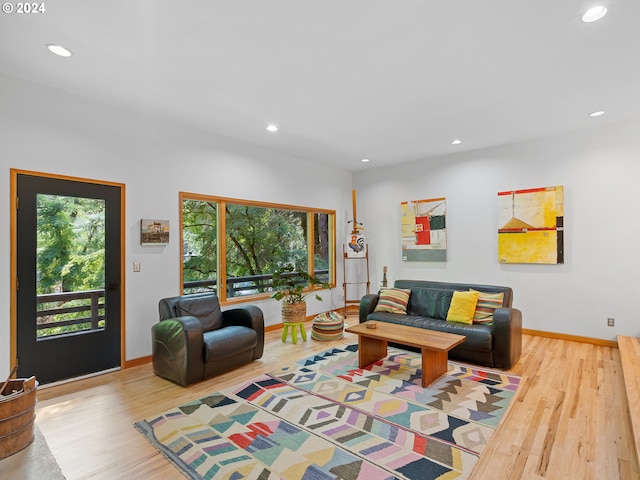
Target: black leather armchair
column 195, row 340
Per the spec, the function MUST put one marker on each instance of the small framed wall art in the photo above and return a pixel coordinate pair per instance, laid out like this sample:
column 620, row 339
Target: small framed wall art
column 154, row 232
column 356, row 246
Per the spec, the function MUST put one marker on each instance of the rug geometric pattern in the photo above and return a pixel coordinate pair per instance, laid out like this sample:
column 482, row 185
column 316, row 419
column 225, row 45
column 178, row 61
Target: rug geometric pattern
column 324, row 418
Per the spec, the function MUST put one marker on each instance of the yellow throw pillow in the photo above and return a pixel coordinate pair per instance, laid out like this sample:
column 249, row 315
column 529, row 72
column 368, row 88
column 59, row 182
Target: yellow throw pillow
column 463, row 306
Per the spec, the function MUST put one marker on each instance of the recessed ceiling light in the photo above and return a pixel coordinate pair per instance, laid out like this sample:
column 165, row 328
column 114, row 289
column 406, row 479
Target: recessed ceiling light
column 365, row 160
column 596, row 114
column 59, row 50
column 456, row 142
column 272, row 128
column 594, row 14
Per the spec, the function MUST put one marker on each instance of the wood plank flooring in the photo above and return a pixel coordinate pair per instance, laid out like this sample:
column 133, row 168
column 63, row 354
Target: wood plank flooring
column 569, row 419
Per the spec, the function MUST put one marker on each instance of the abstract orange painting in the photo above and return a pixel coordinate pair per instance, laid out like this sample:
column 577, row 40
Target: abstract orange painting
column 424, row 233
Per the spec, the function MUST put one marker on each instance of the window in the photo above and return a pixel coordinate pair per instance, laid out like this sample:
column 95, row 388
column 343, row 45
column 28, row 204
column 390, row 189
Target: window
column 234, row 246
column 70, row 264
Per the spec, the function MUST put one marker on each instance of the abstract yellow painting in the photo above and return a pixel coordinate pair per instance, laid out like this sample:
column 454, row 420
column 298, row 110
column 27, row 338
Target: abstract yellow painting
column 531, row 226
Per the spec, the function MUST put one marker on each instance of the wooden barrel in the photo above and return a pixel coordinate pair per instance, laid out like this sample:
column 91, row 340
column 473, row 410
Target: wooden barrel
column 17, row 415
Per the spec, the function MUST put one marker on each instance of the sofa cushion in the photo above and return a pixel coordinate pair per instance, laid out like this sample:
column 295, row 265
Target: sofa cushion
column 415, row 284
column 396, row 318
column 487, row 304
column 463, row 306
column 393, row 300
column 479, row 337
column 205, row 309
column 428, row 302
column 227, row 342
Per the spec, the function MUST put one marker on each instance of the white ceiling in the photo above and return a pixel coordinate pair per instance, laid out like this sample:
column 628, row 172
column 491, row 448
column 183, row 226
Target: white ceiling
column 389, row 80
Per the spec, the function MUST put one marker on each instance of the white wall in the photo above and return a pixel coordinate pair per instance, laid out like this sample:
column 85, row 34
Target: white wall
column 49, row 131
column 600, row 171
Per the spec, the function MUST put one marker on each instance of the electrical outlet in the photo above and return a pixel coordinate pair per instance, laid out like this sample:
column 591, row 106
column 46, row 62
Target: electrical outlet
column 611, row 322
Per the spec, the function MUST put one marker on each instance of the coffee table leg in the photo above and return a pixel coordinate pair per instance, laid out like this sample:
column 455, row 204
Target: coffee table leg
column 434, row 365
column 370, row 350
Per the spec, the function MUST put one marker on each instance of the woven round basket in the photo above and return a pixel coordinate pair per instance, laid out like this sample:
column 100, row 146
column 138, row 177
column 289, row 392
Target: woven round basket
column 294, row 312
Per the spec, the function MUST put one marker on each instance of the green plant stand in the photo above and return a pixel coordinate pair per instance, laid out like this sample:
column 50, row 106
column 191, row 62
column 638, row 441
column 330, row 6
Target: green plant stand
column 294, row 335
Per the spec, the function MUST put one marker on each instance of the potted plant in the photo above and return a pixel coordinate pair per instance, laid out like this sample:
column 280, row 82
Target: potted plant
column 290, row 286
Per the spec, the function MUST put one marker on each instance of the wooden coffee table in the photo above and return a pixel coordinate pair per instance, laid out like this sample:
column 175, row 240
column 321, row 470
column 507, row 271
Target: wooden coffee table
column 372, row 346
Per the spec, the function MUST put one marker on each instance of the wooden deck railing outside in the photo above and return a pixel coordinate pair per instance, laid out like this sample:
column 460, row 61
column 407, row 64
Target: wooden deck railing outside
column 60, row 308
column 57, row 312
column 239, row 286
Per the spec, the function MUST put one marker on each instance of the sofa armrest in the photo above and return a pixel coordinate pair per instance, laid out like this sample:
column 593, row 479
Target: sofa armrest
column 507, row 337
column 177, row 349
column 367, row 305
column 248, row 316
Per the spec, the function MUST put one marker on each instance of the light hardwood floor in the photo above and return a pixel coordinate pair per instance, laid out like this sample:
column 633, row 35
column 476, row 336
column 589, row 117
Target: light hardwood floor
column 569, row 419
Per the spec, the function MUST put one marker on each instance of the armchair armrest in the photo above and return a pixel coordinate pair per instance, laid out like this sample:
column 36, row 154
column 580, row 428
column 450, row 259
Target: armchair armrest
column 507, row 337
column 248, row 316
column 367, row 305
column 177, row 349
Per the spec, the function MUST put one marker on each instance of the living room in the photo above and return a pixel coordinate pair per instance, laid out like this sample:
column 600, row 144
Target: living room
column 49, row 126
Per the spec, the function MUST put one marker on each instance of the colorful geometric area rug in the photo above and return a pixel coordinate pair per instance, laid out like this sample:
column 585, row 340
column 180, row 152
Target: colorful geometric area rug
column 325, row 418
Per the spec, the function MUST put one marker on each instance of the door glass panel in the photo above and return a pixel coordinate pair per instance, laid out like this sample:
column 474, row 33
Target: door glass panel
column 70, row 265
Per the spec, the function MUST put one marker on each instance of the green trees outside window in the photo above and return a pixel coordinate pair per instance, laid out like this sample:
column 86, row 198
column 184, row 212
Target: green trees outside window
column 234, row 246
column 199, row 245
column 70, row 264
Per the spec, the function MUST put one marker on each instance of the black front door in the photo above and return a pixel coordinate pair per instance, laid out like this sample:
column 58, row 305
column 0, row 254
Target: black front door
column 68, row 257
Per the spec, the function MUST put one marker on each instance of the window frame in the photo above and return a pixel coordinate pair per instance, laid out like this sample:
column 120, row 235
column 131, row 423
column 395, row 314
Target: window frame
column 222, row 241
